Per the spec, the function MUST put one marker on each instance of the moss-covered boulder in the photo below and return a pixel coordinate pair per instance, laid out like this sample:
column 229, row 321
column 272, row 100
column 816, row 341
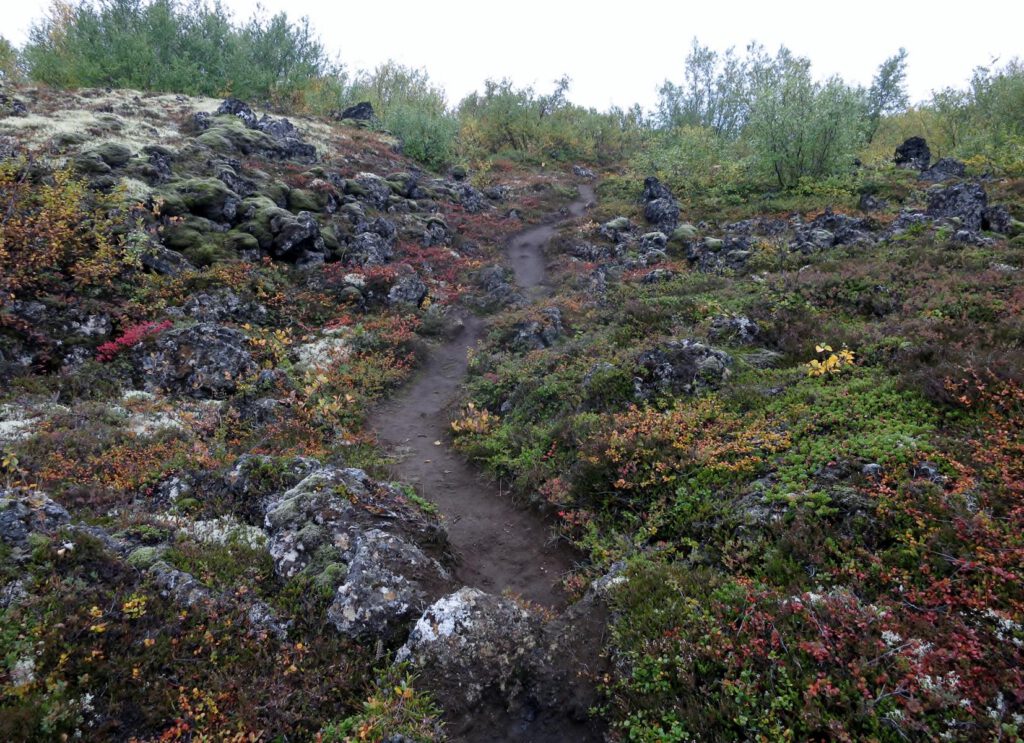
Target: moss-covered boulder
column 204, row 197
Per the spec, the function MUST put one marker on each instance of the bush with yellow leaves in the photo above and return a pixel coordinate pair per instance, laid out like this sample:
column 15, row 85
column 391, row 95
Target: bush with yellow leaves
column 832, row 363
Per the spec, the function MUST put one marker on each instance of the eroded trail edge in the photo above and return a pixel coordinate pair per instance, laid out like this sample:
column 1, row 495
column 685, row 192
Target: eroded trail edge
column 501, row 546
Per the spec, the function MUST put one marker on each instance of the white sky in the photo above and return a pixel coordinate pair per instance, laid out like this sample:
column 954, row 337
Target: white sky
column 619, row 53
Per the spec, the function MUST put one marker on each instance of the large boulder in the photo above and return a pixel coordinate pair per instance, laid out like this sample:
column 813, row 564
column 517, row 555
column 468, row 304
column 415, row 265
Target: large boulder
column 660, row 207
column 24, row 512
column 408, row 289
column 683, row 366
column 204, row 361
column 965, row 202
column 535, row 334
column 913, row 154
column 388, row 584
column 471, row 645
column 944, row 170
column 362, row 111
column 363, row 540
column 662, row 214
column 221, row 305
column 296, row 238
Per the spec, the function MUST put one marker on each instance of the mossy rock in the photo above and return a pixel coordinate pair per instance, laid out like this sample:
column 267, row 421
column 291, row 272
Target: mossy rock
column 329, row 233
column 683, row 232
column 258, row 211
column 352, row 187
column 207, row 197
column 145, row 557
column 303, row 200
column 181, row 238
column 90, row 163
column 229, row 134
column 113, row 154
column 208, row 253
column 277, row 192
column 239, row 241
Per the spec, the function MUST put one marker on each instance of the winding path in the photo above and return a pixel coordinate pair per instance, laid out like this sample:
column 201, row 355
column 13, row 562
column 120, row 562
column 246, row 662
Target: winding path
column 500, row 545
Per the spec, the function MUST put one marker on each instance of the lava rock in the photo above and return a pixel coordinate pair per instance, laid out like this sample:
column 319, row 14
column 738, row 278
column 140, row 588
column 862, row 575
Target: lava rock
column 997, row 219
column 869, row 203
column 965, row 202
column 435, row 233
column 472, row 200
column 684, row 366
column 204, row 361
column 944, row 170
column 388, row 584
column 362, row 111
column 368, row 249
column 740, row 329
column 24, row 512
column 240, row 109
column 913, row 154
column 222, row 305
column 580, row 172
column 408, row 289
column 471, row 644
column 296, row 238
column 663, row 214
column 533, row 335
column 655, row 189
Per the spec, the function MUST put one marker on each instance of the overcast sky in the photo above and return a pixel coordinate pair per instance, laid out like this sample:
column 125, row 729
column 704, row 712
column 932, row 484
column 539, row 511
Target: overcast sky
column 619, row 52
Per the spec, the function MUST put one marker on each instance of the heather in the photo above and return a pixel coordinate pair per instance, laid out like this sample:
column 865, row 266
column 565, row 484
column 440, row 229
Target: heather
column 332, row 409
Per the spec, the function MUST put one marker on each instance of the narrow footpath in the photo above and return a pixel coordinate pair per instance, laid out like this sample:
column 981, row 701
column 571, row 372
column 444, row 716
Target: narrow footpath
column 500, row 545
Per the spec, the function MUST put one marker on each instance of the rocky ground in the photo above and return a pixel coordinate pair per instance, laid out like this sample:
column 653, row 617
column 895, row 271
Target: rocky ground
column 200, row 532
column 753, row 476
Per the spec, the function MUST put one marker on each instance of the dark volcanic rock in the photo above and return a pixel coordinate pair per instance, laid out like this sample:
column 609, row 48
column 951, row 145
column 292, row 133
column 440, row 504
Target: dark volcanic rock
column 663, row 214
column 963, row 201
column 533, row 335
column 869, row 203
column 164, row 261
column 408, row 289
column 359, row 112
column 204, row 361
column 222, row 305
column 368, row 249
column 389, row 582
column 680, row 366
column 830, row 229
column 472, row 643
column 655, row 189
column 943, row 170
column 364, row 541
column 497, row 287
column 235, row 107
column 997, row 219
column 471, row 199
column 740, row 329
column 296, row 238
column 914, row 154
column 24, row 512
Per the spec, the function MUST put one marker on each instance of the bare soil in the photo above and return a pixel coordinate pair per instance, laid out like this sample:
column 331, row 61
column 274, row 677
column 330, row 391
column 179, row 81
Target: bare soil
column 501, row 546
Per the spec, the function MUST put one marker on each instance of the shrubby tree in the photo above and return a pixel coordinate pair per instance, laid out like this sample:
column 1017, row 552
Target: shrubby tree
column 800, row 128
column 888, row 92
column 715, row 92
column 185, row 46
column 10, row 63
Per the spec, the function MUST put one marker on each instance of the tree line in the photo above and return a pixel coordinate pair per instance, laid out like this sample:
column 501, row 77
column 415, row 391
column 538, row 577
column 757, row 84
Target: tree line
column 749, row 117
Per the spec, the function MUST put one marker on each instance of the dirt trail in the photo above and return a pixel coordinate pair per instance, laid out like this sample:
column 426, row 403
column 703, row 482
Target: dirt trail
column 501, row 545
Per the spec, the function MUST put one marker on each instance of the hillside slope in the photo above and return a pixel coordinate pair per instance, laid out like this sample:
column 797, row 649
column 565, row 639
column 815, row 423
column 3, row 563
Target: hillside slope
column 705, row 475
